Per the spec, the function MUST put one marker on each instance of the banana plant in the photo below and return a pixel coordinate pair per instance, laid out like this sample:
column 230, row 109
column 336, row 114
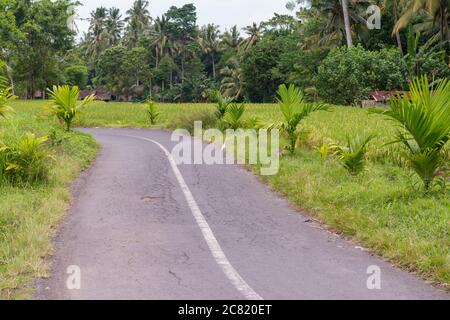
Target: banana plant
column 65, row 105
column 423, row 122
column 352, row 155
column 294, row 109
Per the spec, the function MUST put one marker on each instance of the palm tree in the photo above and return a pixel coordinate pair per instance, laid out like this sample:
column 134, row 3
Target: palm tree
column 210, row 44
column 160, row 34
column 394, row 7
column 254, row 33
column 232, row 38
column 138, row 18
column 232, row 84
column 438, row 9
column 96, row 34
column 338, row 17
column 114, row 26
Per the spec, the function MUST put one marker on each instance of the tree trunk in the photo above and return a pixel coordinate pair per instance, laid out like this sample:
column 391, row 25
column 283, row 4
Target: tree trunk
column 348, row 30
column 214, row 66
column 399, row 42
column 150, row 88
column 445, row 34
column 182, row 69
column 10, row 78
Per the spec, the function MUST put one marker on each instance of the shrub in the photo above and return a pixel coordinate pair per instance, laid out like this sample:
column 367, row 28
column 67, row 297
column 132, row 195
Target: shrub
column 152, row 112
column 25, row 160
column 347, row 75
column 352, row 155
column 65, row 105
column 76, row 75
column 423, row 126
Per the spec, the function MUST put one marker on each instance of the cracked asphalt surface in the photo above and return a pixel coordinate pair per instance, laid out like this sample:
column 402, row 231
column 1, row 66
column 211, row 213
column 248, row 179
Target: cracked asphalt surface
column 131, row 232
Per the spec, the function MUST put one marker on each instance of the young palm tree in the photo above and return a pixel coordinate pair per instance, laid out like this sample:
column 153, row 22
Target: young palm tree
column 424, row 125
column 352, row 155
column 222, row 104
column 294, row 110
column 65, row 105
column 210, row 44
column 6, row 95
column 233, row 116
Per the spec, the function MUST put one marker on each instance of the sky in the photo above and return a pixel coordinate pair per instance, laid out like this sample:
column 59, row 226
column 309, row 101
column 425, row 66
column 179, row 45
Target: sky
column 224, row 13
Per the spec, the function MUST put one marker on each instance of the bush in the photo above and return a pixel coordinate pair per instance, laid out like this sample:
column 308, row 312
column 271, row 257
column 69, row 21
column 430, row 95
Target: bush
column 77, row 76
column 347, row 75
column 24, row 160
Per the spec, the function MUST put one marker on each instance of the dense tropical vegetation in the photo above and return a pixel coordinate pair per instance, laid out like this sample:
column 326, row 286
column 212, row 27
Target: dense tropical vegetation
column 171, row 58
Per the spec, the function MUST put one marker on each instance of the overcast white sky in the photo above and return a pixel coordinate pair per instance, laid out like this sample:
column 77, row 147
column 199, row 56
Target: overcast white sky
column 224, row 13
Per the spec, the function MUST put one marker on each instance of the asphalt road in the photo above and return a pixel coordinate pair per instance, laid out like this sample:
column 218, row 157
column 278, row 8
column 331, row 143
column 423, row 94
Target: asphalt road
column 141, row 228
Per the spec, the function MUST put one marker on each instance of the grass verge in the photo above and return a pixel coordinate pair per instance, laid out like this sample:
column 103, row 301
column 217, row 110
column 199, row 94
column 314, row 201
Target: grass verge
column 29, row 214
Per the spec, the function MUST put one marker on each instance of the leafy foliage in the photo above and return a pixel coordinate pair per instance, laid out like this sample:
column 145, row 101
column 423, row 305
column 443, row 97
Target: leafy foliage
column 347, row 75
column 25, row 160
column 294, row 110
column 424, row 125
column 233, row 116
column 222, row 104
column 352, row 155
column 152, row 112
column 65, row 105
column 6, row 96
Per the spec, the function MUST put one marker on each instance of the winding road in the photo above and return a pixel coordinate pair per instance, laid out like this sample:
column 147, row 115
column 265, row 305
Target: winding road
column 143, row 228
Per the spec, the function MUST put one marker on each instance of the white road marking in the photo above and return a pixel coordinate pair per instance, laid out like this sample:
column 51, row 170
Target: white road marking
column 214, row 246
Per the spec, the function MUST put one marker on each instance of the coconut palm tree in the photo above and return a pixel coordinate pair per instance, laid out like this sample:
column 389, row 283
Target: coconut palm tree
column 439, row 10
column 210, row 44
column 138, row 18
column 347, row 25
column 232, row 84
column 96, row 35
column 160, row 35
column 254, row 33
column 114, row 26
column 232, row 38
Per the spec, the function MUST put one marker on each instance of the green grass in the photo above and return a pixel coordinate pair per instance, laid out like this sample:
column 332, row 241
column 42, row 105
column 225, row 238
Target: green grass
column 29, row 214
column 383, row 208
